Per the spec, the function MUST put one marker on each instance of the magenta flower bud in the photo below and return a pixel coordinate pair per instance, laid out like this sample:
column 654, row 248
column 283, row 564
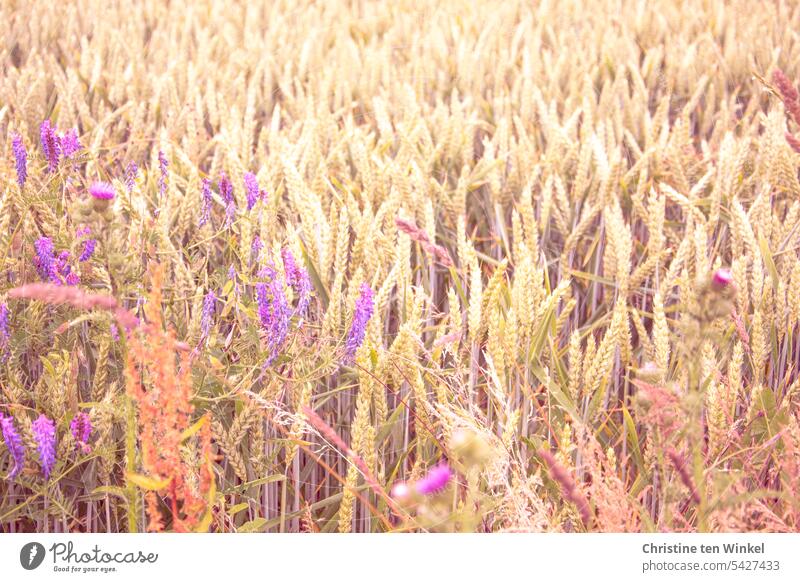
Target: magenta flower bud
column 721, row 279
column 435, row 481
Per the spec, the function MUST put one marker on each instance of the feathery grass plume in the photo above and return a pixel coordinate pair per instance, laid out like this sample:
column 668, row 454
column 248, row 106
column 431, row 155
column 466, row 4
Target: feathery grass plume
column 20, row 158
column 13, row 443
column 569, row 489
column 44, row 433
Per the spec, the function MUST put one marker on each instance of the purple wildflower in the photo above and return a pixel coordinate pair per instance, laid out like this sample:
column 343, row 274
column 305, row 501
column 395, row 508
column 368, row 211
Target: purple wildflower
column 44, row 433
column 721, row 279
column 69, row 143
column 207, row 318
column 163, row 165
column 21, row 157
column 298, row 279
column 50, row 144
column 81, row 428
column 88, row 249
column 273, row 312
column 251, row 187
column 13, row 444
column 226, row 191
column 205, row 193
column 255, row 248
column 435, row 481
column 102, row 191
column 130, row 176
column 225, row 188
column 45, row 252
column 83, row 231
column 5, row 335
column 114, row 332
column 361, row 316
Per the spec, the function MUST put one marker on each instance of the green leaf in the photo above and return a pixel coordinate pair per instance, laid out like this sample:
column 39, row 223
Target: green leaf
column 148, row 483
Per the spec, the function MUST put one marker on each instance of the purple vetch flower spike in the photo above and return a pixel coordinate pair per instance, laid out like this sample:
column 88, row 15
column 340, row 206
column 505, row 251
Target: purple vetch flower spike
column 70, row 144
column 130, row 176
column 230, row 214
column 361, row 316
column 88, row 249
column 44, row 433
column 721, row 279
column 251, row 188
column 21, row 158
column 225, row 188
column 255, row 248
column 207, row 318
column 5, row 335
column 83, row 231
column 163, row 165
column 81, row 428
column 114, row 332
column 205, row 193
column 50, row 145
column 226, row 191
column 298, row 278
column 435, row 481
column 13, row 443
column 273, row 312
column 46, row 259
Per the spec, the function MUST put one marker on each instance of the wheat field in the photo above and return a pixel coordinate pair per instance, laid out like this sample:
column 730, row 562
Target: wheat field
column 362, row 266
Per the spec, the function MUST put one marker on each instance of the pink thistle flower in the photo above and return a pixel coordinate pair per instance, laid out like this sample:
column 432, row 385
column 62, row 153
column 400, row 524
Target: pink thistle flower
column 435, row 481
column 102, row 191
column 721, row 279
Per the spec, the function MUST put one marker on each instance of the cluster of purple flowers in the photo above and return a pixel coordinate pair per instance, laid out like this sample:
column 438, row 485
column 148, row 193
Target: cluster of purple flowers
column 13, row 444
column 55, row 145
column 21, row 159
column 358, row 329
column 273, row 311
column 55, row 269
column 44, row 435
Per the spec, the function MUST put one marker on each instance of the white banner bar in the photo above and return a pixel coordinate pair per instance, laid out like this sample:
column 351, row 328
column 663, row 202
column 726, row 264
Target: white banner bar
column 420, row 557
